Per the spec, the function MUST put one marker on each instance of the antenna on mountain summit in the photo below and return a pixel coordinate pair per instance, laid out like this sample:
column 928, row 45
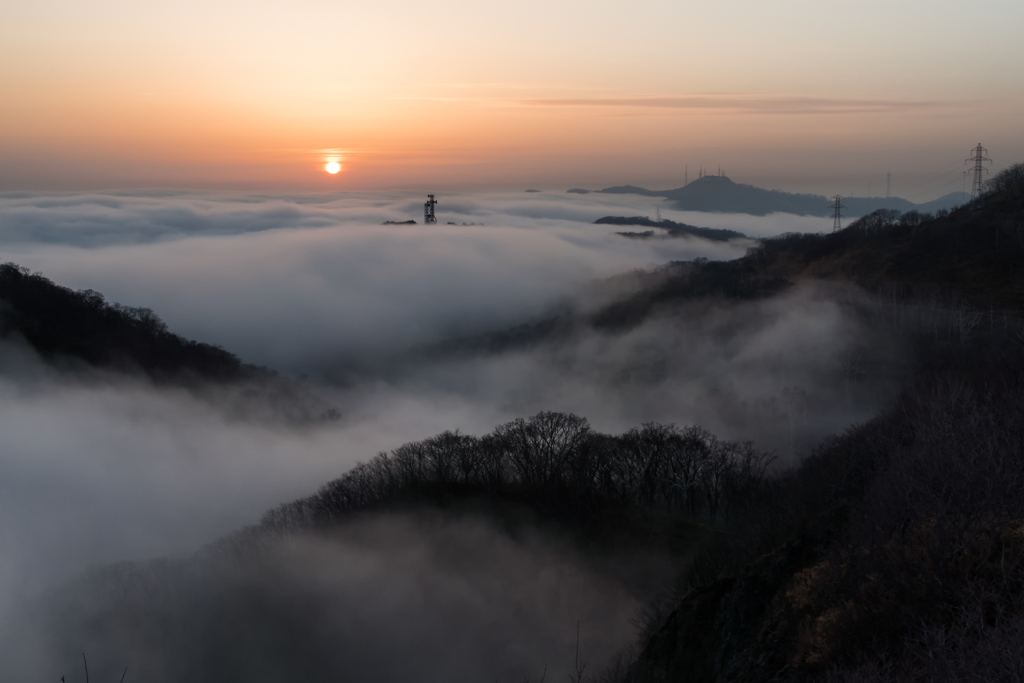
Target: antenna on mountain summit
column 837, row 215
column 428, row 209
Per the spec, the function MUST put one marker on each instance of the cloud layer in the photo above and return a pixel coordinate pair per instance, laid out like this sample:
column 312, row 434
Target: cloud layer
column 99, row 469
column 299, row 282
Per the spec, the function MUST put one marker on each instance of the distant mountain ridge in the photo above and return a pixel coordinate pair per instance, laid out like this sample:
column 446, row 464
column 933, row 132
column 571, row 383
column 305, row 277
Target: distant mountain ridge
column 719, row 194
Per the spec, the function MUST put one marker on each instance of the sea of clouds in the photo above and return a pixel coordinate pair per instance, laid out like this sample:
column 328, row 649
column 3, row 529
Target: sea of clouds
column 98, row 469
column 296, row 282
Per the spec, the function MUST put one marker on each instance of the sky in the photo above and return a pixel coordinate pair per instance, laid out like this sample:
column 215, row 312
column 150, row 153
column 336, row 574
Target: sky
column 795, row 94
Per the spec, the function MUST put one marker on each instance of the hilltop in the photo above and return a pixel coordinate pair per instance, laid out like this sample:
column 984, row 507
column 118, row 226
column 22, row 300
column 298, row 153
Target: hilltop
column 719, row 194
column 80, row 331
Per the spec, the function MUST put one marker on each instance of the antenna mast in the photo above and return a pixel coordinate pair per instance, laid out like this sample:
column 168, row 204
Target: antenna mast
column 428, row 209
column 888, row 185
column 979, row 160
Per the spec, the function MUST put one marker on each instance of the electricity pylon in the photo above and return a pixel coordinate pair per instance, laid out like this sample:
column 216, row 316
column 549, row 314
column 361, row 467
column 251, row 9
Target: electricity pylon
column 837, row 215
column 979, row 160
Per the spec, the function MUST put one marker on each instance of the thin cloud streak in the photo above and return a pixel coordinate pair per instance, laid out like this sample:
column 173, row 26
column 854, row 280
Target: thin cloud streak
column 746, row 104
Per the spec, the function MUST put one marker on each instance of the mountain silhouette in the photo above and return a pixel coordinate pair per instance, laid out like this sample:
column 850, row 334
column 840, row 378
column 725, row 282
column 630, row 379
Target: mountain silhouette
column 719, row 194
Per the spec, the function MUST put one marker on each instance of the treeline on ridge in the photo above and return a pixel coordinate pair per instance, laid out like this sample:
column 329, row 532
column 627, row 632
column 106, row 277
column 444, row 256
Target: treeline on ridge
column 59, row 322
column 556, row 462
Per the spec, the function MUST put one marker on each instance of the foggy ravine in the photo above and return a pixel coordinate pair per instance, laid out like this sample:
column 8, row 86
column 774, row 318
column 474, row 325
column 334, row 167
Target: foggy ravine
column 99, row 469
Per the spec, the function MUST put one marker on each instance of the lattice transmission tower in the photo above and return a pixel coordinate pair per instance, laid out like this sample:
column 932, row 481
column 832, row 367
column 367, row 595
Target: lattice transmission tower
column 979, row 159
column 837, row 213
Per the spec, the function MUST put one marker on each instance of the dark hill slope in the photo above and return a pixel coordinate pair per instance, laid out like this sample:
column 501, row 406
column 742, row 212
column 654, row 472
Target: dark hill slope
column 976, row 251
column 894, row 553
column 75, row 330
column 61, row 323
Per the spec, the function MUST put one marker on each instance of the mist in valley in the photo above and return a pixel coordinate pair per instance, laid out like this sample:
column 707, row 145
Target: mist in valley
column 99, row 468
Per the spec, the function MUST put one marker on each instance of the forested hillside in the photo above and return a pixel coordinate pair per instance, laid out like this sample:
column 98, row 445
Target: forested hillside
column 60, row 323
column 80, row 330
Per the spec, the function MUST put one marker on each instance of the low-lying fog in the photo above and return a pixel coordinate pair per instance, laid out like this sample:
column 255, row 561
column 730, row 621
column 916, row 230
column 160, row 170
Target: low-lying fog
column 102, row 469
column 295, row 282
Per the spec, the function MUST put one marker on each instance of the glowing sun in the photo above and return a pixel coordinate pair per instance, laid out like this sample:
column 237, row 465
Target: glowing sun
column 332, row 167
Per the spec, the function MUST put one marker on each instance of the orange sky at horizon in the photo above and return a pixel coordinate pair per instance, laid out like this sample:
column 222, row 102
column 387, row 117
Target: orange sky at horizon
column 258, row 95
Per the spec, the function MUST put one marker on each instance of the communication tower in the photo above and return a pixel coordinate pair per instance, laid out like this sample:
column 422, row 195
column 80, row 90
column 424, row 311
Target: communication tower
column 428, row 209
column 888, row 185
column 979, row 160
